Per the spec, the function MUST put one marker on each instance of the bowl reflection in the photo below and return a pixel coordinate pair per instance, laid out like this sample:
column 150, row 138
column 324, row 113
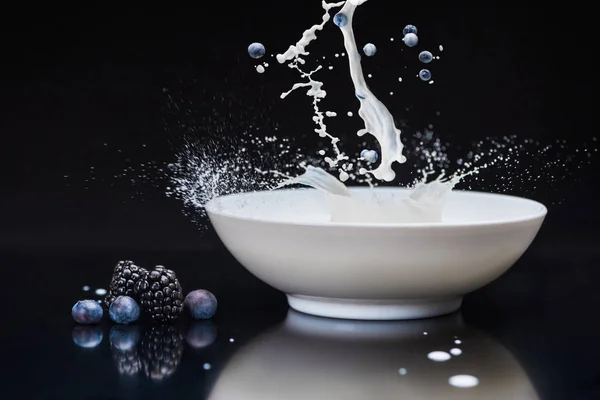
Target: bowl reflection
column 309, row 357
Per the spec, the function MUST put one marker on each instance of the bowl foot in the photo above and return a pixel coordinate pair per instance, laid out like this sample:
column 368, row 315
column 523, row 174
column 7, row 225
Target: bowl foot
column 388, row 309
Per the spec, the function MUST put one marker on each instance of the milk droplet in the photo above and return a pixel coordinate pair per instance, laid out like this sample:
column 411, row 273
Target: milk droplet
column 100, row 292
column 424, row 333
column 441, row 48
column 330, row 113
column 260, row 69
column 344, row 176
column 370, row 76
column 439, row 356
column 206, row 366
column 463, row 381
column 457, row 341
column 455, row 352
column 322, row 152
column 411, row 40
column 231, row 340
column 86, row 288
column 402, row 371
column 350, row 113
column 399, row 79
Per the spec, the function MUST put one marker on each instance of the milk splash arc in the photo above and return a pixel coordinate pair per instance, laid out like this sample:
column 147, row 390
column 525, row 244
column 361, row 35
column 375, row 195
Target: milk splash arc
column 424, row 202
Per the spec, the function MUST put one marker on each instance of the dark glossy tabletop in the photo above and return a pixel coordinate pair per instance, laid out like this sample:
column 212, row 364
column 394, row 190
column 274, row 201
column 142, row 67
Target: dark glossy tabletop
column 531, row 334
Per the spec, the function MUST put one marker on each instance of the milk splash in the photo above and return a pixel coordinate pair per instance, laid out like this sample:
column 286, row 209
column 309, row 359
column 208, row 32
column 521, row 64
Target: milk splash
column 379, row 122
column 425, row 201
column 209, row 166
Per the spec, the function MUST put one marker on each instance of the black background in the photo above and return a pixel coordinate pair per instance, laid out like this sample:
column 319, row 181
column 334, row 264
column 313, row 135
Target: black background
column 72, row 82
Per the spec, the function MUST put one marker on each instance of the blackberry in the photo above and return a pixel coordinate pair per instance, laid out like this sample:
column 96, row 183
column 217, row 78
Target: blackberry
column 161, row 350
column 125, row 276
column 160, row 294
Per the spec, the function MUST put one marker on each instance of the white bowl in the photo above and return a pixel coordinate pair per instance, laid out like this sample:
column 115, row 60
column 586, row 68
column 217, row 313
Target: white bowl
column 308, row 357
column 378, row 271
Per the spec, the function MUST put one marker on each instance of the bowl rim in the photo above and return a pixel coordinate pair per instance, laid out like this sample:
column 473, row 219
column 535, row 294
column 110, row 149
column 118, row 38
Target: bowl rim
column 210, row 209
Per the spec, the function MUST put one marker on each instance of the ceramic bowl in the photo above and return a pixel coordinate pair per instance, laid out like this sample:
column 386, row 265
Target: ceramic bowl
column 374, row 271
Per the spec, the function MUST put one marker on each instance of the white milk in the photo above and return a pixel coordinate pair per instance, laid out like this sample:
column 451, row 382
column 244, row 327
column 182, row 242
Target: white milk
column 424, row 203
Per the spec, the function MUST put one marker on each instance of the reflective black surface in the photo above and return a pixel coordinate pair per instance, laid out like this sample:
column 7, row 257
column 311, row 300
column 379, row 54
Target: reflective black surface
column 531, row 334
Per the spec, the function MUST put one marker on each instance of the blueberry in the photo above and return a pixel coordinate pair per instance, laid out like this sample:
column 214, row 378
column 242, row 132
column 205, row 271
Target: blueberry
column 124, row 337
column 369, row 49
column 409, row 29
column 201, row 304
column 201, row 334
column 425, row 74
column 87, row 312
column 425, row 57
column 124, row 310
column 372, row 157
column 369, row 156
column 340, row 19
column 256, row 50
column 411, row 40
column 87, row 337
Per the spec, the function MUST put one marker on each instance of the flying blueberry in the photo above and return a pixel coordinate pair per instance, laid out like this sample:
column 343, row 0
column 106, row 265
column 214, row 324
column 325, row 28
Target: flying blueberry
column 256, row 50
column 340, row 19
column 425, row 57
column 425, row 74
column 409, row 29
column 124, row 310
column 411, row 40
column 87, row 312
column 369, row 156
column 369, row 49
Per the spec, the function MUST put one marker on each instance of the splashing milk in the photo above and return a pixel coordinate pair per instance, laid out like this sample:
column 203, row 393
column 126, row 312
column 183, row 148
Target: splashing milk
column 424, row 202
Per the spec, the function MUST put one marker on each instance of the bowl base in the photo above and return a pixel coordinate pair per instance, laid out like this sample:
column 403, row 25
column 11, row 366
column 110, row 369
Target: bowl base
column 385, row 309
